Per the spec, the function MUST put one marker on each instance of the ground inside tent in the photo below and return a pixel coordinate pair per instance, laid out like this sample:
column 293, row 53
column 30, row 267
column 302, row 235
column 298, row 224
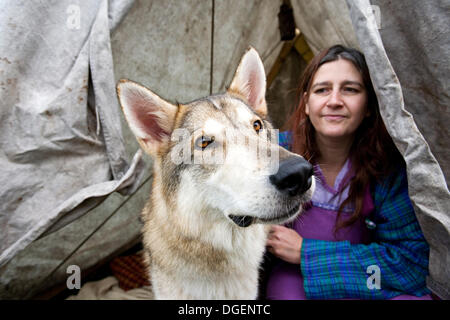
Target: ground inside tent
column 122, row 278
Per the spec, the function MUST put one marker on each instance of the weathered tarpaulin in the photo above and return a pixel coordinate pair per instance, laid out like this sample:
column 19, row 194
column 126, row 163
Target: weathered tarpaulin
column 61, row 141
column 324, row 23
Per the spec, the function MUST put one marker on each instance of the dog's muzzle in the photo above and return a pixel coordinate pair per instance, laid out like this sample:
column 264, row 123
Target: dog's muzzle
column 293, row 179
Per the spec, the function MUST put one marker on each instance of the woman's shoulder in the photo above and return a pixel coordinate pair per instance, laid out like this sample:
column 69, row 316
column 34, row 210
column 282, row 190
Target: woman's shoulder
column 390, row 195
column 396, row 178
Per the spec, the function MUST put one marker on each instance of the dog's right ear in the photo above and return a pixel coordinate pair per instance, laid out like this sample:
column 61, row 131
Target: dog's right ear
column 249, row 81
column 150, row 117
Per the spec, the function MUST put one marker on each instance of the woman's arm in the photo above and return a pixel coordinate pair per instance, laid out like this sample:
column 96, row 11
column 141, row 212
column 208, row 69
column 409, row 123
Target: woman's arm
column 334, row 270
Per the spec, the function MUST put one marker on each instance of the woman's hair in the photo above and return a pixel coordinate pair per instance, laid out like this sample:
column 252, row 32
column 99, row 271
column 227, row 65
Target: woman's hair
column 373, row 153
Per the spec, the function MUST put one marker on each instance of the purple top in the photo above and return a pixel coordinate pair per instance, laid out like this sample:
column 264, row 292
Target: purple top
column 317, row 222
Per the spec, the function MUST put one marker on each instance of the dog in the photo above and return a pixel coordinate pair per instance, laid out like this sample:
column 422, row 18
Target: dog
column 206, row 223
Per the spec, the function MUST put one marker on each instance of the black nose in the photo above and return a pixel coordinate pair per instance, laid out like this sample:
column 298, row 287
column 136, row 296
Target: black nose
column 294, row 176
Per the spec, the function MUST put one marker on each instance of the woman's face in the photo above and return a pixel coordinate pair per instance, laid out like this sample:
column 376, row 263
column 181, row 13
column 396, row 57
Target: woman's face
column 337, row 101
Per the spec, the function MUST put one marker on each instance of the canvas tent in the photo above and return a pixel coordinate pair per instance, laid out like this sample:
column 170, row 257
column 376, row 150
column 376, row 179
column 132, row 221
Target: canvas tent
column 73, row 180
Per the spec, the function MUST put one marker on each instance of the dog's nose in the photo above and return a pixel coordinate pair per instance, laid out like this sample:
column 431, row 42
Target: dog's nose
column 294, row 176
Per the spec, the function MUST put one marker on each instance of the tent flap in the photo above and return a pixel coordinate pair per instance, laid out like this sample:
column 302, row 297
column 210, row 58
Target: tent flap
column 57, row 150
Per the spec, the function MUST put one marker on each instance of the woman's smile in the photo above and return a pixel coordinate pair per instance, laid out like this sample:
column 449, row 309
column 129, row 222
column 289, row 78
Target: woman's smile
column 334, row 117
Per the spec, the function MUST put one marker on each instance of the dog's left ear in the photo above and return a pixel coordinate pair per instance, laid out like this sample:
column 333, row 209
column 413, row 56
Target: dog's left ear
column 250, row 81
column 150, row 117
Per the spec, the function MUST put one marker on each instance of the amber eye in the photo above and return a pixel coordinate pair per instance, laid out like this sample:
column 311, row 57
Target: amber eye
column 257, row 125
column 203, row 141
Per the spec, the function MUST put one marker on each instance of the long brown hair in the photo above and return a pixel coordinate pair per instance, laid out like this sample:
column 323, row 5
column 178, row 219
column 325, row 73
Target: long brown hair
column 373, row 153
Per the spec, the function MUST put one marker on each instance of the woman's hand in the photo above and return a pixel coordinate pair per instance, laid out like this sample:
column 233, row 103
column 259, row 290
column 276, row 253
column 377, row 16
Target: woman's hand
column 285, row 243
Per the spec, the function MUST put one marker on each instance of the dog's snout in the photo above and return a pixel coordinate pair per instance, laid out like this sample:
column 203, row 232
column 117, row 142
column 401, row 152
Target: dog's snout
column 294, row 176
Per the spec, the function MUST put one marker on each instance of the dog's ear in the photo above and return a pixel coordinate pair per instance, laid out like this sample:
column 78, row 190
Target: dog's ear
column 150, row 117
column 250, row 81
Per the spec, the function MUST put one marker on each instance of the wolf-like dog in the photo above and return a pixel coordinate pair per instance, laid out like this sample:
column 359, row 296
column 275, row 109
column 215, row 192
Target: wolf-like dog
column 206, row 222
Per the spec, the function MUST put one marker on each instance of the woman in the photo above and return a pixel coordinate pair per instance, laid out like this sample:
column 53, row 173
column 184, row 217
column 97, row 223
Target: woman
column 359, row 238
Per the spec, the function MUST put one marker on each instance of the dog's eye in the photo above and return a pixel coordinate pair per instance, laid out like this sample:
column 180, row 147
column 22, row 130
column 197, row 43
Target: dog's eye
column 203, row 141
column 257, row 125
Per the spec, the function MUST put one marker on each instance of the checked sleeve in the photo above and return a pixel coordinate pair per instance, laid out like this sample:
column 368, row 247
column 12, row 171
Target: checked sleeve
column 339, row 270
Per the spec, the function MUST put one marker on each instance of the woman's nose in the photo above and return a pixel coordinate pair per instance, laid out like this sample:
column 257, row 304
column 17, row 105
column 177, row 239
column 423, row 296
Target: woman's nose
column 335, row 99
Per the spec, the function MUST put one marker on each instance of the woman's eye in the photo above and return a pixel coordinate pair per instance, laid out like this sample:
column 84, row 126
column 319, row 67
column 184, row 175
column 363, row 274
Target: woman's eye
column 257, row 125
column 320, row 90
column 349, row 89
column 203, row 141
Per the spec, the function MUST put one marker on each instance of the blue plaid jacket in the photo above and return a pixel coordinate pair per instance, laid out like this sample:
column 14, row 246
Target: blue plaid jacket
column 339, row 270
